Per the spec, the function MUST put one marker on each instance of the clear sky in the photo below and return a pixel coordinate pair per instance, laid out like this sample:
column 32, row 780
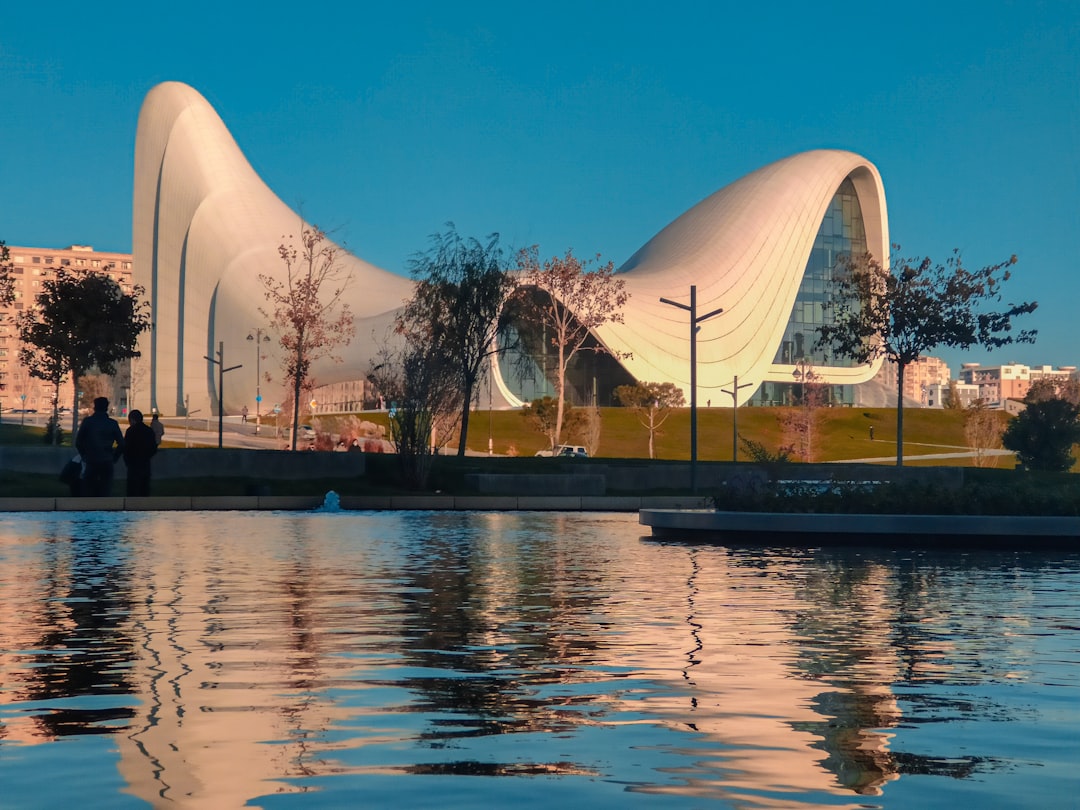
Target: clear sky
column 588, row 125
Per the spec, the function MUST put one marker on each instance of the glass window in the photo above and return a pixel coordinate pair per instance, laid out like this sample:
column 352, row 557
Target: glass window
column 840, row 234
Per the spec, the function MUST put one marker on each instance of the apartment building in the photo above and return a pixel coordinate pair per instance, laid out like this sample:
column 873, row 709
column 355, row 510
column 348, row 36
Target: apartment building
column 919, row 379
column 998, row 384
column 30, row 266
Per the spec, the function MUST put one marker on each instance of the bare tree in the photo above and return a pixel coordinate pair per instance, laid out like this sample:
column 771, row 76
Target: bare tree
column 592, row 423
column 652, row 404
column 542, row 414
column 568, row 301
column 900, row 315
column 982, row 429
column 800, row 422
column 306, row 310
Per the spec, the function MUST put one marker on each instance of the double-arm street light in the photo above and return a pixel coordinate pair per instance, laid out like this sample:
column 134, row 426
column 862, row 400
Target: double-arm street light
column 259, row 338
column 734, row 392
column 695, row 319
column 220, row 363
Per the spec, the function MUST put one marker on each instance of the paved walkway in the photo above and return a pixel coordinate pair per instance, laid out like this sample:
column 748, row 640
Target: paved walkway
column 962, row 452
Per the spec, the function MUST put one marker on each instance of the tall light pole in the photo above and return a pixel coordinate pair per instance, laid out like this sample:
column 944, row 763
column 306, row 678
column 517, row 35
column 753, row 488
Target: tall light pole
column 734, row 392
column 695, row 319
column 259, row 339
column 220, row 363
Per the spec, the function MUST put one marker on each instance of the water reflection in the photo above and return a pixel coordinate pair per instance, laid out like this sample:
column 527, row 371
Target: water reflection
column 238, row 657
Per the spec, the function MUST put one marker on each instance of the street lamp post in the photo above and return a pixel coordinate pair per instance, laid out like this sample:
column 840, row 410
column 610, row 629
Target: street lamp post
column 804, row 375
column 220, row 363
column 734, row 392
column 259, row 338
column 695, row 319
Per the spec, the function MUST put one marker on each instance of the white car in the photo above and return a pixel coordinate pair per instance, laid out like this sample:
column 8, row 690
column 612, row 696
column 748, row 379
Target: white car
column 305, row 435
column 565, row 451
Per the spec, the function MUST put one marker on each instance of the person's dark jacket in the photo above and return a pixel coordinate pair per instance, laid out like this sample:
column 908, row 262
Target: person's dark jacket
column 96, row 437
column 139, row 444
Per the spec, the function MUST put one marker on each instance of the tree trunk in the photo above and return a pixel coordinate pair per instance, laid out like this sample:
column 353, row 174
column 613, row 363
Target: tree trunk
column 74, row 406
column 296, row 403
column 463, row 438
column 900, row 367
column 56, row 416
column 560, row 383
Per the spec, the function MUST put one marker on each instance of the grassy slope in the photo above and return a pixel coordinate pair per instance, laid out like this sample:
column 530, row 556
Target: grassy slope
column 842, row 433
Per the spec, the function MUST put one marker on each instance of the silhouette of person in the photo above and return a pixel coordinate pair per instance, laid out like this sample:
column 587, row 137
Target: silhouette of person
column 158, row 427
column 871, row 433
column 100, row 443
column 140, row 444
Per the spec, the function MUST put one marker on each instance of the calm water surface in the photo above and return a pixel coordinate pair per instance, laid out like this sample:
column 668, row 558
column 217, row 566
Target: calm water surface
column 456, row 660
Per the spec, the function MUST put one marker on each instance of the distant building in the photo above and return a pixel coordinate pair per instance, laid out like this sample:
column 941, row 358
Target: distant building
column 937, row 394
column 1010, row 381
column 30, row 267
column 919, row 378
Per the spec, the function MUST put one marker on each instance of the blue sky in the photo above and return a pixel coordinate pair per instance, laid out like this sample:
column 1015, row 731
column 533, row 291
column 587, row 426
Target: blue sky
column 588, row 125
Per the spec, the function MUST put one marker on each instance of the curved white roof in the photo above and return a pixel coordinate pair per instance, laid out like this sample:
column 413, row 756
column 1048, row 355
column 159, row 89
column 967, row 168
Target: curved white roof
column 205, row 226
column 745, row 248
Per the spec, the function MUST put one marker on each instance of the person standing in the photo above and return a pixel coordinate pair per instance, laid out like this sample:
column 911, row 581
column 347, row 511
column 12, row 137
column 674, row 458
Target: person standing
column 158, row 427
column 140, row 444
column 243, row 415
column 100, row 443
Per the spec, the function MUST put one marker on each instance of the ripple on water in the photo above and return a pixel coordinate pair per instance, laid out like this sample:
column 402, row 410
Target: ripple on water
column 305, row 657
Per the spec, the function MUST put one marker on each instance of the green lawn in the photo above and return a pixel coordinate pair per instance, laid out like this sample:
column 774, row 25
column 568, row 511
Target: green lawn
column 841, row 433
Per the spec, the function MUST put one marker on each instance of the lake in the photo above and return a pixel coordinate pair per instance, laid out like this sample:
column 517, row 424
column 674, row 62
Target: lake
column 528, row 659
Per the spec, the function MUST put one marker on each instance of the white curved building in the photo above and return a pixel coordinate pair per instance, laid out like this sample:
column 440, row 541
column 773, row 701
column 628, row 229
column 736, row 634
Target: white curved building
column 204, row 227
column 762, row 249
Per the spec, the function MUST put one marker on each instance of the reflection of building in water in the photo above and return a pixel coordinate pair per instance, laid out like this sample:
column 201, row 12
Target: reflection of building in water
column 239, row 663
column 63, row 643
column 725, row 632
column 762, row 677
column 232, row 675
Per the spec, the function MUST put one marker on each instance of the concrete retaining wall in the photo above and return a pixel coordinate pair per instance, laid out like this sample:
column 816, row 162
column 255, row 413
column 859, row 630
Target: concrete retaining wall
column 537, row 483
column 202, row 463
column 471, row 503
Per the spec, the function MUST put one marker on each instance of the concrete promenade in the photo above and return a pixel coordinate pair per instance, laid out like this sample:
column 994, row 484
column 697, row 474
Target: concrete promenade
column 943, row 532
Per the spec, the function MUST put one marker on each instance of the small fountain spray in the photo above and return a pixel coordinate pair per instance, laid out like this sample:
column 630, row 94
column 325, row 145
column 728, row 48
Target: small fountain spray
column 331, row 503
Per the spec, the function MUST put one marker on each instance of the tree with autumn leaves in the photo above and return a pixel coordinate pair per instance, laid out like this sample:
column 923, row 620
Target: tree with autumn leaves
column 568, row 299
column 305, row 307
column 652, row 403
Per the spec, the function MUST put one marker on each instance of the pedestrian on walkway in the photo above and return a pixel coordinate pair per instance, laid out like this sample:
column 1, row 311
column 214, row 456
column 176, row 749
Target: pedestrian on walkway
column 158, row 428
column 871, row 433
column 140, row 444
column 100, row 443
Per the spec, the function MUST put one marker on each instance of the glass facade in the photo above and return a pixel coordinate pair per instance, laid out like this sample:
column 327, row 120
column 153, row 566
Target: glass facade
column 841, row 234
column 529, row 368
